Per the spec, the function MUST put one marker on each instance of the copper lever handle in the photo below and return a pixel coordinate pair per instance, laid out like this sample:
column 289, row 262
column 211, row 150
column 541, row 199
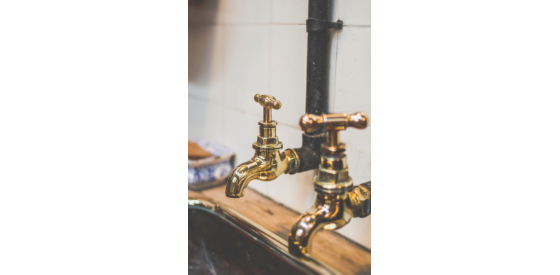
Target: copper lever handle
column 268, row 102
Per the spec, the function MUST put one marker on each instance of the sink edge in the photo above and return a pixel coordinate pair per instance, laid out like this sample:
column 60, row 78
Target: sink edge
column 268, row 237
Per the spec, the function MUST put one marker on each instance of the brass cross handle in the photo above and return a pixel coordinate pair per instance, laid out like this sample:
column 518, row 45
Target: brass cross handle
column 268, row 102
column 333, row 122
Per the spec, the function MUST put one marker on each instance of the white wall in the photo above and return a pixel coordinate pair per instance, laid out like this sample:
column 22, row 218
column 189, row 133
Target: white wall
column 240, row 48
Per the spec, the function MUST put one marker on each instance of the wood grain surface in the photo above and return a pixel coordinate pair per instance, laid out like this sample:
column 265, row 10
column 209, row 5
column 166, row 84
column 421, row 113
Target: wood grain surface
column 329, row 247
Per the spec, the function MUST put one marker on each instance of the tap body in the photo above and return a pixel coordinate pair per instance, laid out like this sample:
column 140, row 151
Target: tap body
column 338, row 200
column 266, row 164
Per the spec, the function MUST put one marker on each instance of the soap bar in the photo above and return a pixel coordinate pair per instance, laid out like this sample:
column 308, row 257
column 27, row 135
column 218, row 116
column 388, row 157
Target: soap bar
column 196, row 152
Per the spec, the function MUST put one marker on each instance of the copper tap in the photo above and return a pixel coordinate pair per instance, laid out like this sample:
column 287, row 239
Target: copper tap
column 338, row 200
column 268, row 162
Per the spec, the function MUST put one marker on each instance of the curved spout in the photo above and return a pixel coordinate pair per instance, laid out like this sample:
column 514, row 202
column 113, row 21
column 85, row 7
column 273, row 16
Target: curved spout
column 240, row 177
column 330, row 212
column 266, row 165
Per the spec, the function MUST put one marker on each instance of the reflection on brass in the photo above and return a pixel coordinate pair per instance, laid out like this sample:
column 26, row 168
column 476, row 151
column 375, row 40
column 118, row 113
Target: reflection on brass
column 333, row 122
column 337, row 199
column 330, row 211
column 268, row 162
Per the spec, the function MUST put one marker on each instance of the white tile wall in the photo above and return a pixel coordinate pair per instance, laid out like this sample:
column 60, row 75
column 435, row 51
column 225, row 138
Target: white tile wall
column 354, row 12
column 240, row 48
column 353, row 72
column 211, row 128
column 206, row 62
column 289, row 11
column 246, row 66
column 244, row 12
column 240, row 130
column 288, row 69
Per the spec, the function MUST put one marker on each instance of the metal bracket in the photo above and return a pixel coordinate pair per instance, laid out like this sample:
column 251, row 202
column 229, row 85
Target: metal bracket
column 319, row 25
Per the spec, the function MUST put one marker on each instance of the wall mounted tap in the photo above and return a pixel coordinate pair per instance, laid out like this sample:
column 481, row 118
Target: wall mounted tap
column 338, row 200
column 268, row 162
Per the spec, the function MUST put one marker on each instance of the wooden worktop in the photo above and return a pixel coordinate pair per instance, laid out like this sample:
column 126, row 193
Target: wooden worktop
column 329, row 247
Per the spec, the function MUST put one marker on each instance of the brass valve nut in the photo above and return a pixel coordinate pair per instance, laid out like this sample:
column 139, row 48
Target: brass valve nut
column 333, row 180
column 267, row 133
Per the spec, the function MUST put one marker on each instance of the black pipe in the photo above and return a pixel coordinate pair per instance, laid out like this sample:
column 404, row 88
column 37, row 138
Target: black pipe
column 316, row 101
column 310, row 152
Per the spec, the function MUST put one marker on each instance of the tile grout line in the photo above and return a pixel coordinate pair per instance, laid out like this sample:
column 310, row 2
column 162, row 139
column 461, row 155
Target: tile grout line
column 268, row 24
column 243, row 112
column 204, row 100
column 192, row 24
column 357, row 26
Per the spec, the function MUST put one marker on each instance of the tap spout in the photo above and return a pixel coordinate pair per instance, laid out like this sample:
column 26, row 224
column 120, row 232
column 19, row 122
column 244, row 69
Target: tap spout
column 330, row 212
column 239, row 178
column 266, row 165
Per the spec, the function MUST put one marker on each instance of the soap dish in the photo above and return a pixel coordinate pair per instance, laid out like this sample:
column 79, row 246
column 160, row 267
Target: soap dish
column 212, row 171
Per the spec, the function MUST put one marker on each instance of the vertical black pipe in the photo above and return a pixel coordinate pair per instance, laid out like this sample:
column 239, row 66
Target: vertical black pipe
column 317, row 56
column 316, row 90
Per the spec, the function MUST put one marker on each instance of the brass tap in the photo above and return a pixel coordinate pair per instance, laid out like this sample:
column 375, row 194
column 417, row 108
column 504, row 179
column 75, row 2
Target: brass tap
column 268, row 162
column 338, row 200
